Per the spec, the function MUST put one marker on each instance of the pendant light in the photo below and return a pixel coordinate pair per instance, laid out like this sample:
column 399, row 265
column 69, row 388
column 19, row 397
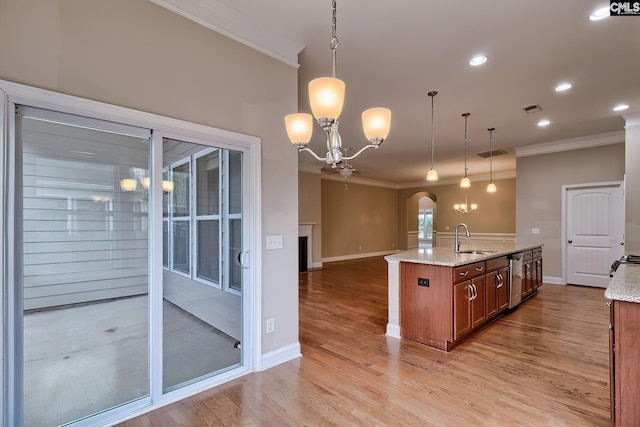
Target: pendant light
column 465, row 182
column 432, row 175
column 491, row 188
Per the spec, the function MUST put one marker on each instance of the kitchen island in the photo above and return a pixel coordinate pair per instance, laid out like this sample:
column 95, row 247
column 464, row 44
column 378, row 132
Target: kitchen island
column 624, row 340
column 438, row 297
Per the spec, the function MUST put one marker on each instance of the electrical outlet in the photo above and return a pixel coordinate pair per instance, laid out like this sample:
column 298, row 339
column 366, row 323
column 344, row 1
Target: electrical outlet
column 423, row 282
column 271, row 325
column 275, row 242
column 535, row 231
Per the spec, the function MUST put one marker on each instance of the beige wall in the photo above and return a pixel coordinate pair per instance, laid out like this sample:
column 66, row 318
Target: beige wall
column 360, row 220
column 632, row 193
column 539, row 193
column 309, row 209
column 136, row 54
column 495, row 213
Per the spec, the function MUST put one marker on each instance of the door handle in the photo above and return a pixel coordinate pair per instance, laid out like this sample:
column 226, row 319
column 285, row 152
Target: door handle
column 243, row 259
column 570, row 241
column 621, row 243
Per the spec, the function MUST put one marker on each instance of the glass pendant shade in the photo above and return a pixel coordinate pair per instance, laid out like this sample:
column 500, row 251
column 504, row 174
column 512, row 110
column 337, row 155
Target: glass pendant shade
column 474, row 206
column 167, row 186
column 128, row 184
column 146, row 182
column 491, row 188
column 299, row 128
column 432, row 175
column 376, row 123
column 326, row 97
column 465, row 182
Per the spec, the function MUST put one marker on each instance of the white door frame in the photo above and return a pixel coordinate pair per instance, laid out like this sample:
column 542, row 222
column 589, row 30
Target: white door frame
column 14, row 93
column 565, row 192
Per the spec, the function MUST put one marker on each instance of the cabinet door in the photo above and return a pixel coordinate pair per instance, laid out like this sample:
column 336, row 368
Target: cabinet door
column 503, row 290
column 612, row 363
column 527, row 279
column 537, row 266
column 478, row 303
column 493, row 284
column 461, row 309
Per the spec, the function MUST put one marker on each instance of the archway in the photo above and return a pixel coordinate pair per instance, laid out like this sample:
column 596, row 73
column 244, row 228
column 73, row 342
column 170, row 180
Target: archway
column 421, row 213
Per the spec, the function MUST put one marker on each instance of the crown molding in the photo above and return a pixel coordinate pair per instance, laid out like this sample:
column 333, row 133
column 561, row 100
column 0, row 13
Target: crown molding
column 571, row 144
column 631, row 120
column 231, row 23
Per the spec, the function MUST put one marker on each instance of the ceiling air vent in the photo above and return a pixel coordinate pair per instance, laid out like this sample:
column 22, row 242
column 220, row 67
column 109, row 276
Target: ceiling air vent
column 497, row 152
column 532, row 109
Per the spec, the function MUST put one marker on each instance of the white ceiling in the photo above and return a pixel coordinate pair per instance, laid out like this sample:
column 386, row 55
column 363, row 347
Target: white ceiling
column 392, row 53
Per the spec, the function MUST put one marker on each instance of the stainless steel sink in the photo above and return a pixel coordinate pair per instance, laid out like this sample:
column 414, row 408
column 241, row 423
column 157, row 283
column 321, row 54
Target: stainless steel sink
column 477, row 252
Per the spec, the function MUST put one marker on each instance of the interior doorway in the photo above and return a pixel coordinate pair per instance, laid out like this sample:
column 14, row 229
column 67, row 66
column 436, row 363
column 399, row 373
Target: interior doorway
column 425, row 222
column 593, row 230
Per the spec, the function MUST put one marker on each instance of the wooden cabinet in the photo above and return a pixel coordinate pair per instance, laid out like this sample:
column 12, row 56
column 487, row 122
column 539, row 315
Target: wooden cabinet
column 497, row 286
column 625, row 363
column 537, row 268
column 442, row 305
column 469, row 299
column 527, row 274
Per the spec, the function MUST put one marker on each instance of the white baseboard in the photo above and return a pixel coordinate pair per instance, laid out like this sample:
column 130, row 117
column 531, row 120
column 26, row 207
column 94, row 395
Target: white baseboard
column 316, row 265
column 356, row 256
column 393, row 330
column 553, row 280
column 280, row 355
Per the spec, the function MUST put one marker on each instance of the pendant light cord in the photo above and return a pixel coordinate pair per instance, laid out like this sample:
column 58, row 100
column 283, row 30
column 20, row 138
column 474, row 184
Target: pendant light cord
column 465, row 115
column 491, row 154
column 432, row 94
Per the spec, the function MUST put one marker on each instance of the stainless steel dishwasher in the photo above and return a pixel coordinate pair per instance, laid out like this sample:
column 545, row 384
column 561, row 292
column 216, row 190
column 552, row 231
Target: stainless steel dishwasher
column 515, row 284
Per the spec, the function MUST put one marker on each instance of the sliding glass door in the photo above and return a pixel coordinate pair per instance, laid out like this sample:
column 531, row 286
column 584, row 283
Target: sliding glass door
column 85, row 286
column 128, row 278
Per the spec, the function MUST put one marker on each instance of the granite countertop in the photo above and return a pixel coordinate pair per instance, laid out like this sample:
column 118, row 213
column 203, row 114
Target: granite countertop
column 445, row 255
column 625, row 284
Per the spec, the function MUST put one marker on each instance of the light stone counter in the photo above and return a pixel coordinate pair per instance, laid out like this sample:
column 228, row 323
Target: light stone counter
column 446, row 257
column 443, row 256
column 625, row 284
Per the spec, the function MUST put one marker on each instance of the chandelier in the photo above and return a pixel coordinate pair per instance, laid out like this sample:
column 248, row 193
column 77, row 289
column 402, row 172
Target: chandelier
column 465, row 183
column 465, row 207
column 326, row 96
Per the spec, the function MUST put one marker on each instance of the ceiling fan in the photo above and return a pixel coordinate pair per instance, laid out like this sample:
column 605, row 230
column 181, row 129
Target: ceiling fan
column 343, row 168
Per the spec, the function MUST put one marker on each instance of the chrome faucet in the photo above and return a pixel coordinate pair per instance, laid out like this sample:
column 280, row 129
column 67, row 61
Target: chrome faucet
column 456, row 247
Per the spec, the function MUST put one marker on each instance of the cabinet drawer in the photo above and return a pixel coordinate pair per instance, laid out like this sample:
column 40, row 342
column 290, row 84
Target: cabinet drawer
column 466, row 272
column 537, row 252
column 527, row 255
column 497, row 263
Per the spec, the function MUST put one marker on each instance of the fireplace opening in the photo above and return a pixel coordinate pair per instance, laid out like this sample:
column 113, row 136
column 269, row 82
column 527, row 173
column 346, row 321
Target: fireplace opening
column 302, row 254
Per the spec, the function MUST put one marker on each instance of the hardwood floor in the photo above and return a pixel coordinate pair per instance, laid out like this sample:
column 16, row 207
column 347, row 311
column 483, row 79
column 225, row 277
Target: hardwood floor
column 545, row 364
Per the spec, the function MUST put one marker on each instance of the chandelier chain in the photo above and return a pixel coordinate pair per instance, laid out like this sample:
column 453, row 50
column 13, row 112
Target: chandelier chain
column 432, row 94
column 466, row 115
column 334, row 38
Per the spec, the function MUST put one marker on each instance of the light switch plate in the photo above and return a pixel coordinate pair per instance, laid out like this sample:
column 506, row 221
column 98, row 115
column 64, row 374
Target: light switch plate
column 274, row 242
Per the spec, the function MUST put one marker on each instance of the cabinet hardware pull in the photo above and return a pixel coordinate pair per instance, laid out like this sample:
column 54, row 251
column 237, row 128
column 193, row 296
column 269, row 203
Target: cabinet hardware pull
column 479, row 268
column 473, row 293
column 464, row 273
column 609, row 304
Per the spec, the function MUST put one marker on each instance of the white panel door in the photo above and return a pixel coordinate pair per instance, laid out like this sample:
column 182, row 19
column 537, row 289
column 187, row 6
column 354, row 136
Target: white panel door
column 595, row 233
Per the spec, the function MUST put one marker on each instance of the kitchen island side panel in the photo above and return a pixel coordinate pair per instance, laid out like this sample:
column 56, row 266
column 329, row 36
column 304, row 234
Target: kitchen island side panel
column 426, row 312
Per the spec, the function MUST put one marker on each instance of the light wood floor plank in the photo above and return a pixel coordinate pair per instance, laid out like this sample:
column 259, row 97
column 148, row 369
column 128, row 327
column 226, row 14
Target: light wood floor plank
column 544, row 364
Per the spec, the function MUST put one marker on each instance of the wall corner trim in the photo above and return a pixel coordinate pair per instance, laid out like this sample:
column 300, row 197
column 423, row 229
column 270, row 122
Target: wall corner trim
column 280, row 356
column 553, row 280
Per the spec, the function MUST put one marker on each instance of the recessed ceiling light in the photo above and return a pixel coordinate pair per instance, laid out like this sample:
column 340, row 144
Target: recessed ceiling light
column 601, row 13
column 620, row 107
column 478, row 60
column 563, row 87
column 544, row 122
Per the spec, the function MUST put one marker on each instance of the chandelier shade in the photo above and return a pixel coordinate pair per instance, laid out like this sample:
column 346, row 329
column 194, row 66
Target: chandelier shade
column 491, row 188
column 376, row 123
column 299, row 128
column 128, row 184
column 432, row 175
column 326, row 97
